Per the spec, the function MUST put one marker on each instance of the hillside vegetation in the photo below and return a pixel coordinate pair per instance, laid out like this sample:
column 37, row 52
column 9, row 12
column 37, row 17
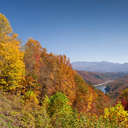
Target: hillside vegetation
column 41, row 90
column 117, row 86
column 98, row 78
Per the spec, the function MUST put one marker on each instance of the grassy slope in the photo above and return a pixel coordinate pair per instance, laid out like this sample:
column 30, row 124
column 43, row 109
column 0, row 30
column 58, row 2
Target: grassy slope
column 13, row 114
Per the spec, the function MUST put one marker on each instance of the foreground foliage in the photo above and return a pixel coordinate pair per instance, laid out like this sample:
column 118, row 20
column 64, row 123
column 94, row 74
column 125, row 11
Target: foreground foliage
column 56, row 112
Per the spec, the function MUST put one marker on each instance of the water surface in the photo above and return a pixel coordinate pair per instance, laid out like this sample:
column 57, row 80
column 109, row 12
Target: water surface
column 102, row 88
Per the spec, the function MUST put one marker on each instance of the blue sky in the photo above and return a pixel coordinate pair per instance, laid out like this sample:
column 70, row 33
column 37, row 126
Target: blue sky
column 84, row 30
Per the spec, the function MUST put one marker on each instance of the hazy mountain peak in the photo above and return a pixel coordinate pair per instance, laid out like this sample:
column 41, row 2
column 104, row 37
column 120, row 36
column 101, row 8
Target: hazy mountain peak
column 102, row 66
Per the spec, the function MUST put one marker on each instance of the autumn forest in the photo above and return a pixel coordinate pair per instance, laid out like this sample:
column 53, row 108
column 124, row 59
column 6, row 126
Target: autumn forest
column 39, row 89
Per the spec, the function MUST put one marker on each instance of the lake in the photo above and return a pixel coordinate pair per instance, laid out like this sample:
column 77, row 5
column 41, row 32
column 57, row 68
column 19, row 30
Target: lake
column 102, row 88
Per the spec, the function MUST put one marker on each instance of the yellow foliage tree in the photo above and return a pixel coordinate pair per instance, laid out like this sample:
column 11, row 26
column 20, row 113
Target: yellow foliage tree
column 12, row 67
column 117, row 115
column 5, row 27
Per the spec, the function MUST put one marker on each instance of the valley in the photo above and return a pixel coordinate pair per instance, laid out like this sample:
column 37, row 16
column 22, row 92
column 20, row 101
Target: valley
column 110, row 83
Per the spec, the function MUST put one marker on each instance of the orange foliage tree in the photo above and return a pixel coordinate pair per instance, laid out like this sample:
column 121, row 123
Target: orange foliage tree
column 57, row 75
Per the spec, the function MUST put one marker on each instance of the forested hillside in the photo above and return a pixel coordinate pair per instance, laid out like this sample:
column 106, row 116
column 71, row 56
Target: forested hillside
column 117, row 86
column 41, row 90
column 98, row 78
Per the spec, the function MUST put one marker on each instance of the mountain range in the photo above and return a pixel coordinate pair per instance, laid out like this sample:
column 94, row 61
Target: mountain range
column 102, row 66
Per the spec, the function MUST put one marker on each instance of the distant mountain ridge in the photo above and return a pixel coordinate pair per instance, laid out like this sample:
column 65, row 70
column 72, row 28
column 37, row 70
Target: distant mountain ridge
column 102, row 66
